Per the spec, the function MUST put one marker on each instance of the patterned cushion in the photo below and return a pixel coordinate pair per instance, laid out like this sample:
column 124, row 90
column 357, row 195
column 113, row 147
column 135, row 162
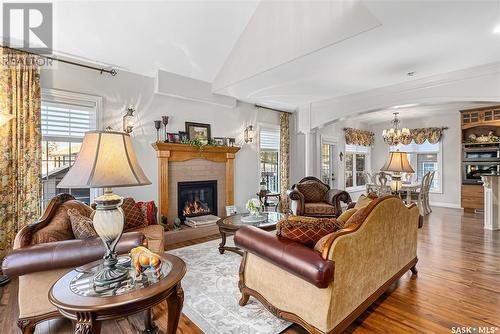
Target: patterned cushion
column 322, row 242
column 313, row 191
column 306, row 230
column 149, row 211
column 59, row 228
column 346, row 214
column 82, row 226
column 133, row 215
column 357, row 218
column 319, row 208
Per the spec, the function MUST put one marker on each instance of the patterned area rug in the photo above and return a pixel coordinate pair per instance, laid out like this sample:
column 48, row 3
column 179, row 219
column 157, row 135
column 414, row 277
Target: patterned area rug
column 212, row 294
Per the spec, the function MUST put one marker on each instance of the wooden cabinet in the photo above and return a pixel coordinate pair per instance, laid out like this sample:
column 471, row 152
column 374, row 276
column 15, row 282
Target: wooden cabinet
column 481, row 116
column 472, row 196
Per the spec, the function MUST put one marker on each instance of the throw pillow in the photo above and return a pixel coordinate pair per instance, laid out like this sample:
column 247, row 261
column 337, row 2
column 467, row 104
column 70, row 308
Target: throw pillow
column 83, row 227
column 322, row 242
column 357, row 218
column 59, row 227
column 307, row 230
column 149, row 211
column 346, row 214
column 313, row 191
column 133, row 215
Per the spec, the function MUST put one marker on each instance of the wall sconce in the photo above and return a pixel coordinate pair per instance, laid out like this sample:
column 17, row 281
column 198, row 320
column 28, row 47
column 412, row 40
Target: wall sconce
column 249, row 134
column 128, row 120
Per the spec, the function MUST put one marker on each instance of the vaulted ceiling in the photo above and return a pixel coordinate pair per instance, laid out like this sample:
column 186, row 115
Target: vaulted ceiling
column 199, row 39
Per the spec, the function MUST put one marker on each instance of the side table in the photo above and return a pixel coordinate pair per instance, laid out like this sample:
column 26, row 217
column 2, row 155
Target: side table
column 77, row 298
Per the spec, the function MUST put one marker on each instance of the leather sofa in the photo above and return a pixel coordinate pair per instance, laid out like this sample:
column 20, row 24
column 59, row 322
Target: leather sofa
column 40, row 265
column 312, row 198
column 326, row 289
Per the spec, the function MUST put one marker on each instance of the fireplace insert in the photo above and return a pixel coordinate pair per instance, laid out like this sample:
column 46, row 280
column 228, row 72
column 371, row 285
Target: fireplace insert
column 196, row 198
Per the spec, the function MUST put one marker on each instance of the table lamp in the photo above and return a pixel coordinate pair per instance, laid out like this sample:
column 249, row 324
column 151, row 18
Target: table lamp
column 397, row 162
column 107, row 159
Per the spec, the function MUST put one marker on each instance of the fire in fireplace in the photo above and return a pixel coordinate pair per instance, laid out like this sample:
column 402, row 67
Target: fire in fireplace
column 196, row 198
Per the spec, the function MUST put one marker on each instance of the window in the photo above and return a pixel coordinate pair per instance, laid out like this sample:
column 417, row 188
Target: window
column 326, row 172
column 356, row 159
column 64, row 123
column 269, row 141
column 424, row 158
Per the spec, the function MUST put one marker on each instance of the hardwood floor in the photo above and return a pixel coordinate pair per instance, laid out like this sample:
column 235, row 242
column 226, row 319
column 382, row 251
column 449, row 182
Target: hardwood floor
column 458, row 284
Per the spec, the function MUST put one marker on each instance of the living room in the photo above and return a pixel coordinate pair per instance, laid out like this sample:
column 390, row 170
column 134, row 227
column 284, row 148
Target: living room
column 217, row 167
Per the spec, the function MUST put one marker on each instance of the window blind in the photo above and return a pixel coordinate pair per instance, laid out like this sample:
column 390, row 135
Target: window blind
column 269, row 139
column 426, row 147
column 356, row 149
column 61, row 120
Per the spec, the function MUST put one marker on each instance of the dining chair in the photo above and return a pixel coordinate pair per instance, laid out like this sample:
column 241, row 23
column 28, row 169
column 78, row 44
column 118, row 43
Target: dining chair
column 421, row 197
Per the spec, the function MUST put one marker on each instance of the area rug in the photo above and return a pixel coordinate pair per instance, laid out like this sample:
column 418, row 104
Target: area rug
column 211, row 293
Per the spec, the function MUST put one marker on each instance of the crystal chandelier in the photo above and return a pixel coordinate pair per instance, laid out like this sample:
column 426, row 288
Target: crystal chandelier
column 396, row 135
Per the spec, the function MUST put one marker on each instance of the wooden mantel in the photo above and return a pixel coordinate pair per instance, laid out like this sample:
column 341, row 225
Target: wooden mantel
column 168, row 152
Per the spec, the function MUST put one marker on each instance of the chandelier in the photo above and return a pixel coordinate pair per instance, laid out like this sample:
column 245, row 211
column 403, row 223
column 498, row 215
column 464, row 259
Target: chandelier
column 396, row 135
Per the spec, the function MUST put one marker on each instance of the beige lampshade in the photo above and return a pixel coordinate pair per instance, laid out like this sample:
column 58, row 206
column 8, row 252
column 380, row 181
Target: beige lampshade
column 106, row 159
column 397, row 162
column 4, row 118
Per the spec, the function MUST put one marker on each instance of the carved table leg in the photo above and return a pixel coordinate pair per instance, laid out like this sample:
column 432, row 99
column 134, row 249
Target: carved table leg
column 223, row 241
column 414, row 270
column 150, row 327
column 27, row 326
column 174, row 311
column 86, row 324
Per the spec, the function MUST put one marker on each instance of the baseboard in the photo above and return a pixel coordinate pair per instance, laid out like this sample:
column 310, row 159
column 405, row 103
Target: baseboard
column 446, row 205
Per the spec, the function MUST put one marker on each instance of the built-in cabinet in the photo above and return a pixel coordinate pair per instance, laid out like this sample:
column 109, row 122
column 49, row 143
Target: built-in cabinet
column 478, row 125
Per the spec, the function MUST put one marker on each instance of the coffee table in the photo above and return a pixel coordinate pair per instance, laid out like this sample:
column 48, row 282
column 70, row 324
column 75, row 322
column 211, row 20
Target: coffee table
column 229, row 225
column 77, row 298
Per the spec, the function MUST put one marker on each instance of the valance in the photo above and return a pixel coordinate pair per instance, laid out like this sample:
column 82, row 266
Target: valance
column 419, row 135
column 359, row 137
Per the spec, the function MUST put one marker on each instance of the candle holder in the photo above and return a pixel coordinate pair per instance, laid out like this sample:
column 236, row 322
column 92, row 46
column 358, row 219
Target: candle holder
column 164, row 120
column 157, row 127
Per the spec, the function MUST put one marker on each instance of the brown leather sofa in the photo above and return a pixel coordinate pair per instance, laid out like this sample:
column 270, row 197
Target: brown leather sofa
column 40, row 265
column 325, row 289
column 312, row 198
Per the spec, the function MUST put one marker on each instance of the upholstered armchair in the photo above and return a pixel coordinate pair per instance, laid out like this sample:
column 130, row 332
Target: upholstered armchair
column 45, row 250
column 313, row 198
column 326, row 288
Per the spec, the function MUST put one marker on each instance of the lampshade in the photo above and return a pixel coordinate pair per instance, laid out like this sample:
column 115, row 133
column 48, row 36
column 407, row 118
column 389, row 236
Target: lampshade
column 106, row 159
column 397, row 162
column 4, row 118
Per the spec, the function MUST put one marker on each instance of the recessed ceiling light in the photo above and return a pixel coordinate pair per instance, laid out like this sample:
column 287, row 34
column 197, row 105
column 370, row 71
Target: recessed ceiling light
column 410, row 74
column 496, row 30
column 409, row 105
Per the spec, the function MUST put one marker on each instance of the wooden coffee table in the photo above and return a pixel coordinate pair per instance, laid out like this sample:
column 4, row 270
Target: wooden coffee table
column 229, row 225
column 76, row 297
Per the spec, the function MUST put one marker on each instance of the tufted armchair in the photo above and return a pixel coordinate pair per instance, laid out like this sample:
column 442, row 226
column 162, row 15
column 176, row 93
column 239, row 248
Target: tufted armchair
column 313, row 198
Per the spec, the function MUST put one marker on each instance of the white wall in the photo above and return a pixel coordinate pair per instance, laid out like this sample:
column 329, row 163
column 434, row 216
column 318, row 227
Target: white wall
column 131, row 89
column 451, row 151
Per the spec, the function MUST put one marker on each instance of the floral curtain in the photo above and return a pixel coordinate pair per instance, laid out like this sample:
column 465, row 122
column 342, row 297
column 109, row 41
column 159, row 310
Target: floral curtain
column 433, row 135
column 20, row 144
column 359, row 137
column 284, row 159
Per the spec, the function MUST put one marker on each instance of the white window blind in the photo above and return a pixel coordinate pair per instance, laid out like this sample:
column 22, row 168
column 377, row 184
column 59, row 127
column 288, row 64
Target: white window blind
column 356, row 149
column 269, row 139
column 414, row 148
column 68, row 121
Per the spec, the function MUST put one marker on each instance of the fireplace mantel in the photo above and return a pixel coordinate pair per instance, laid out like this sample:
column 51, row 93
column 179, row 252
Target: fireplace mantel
column 169, row 152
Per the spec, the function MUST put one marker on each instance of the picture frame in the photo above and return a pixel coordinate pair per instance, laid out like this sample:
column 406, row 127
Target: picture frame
column 231, row 210
column 183, row 136
column 232, row 142
column 177, row 138
column 170, row 137
column 198, row 131
column 219, row 141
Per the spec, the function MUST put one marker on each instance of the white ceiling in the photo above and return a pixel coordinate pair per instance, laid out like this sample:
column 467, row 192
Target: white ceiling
column 411, row 112
column 190, row 38
column 194, row 38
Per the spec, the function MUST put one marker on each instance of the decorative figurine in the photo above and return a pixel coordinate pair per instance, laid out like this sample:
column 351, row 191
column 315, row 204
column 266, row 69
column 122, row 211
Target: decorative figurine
column 143, row 259
column 157, row 127
column 164, row 120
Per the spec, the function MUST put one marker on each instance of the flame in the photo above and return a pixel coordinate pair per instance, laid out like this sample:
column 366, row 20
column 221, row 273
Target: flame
column 195, row 208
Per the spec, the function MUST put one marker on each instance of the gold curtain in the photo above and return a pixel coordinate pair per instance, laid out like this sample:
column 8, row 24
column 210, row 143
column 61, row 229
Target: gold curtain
column 433, row 135
column 284, row 159
column 359, row 137
column 20, row 144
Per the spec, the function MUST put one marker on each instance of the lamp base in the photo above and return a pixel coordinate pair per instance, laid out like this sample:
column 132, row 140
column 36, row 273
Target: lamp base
column 111, row 273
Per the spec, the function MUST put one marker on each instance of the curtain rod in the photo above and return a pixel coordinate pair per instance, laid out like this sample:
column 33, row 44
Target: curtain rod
column 258, row 106
column 112, row 71
column 442, row 128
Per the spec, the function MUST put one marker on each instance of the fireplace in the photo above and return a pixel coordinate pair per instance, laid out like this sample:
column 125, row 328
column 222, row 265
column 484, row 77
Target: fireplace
column 196, row 198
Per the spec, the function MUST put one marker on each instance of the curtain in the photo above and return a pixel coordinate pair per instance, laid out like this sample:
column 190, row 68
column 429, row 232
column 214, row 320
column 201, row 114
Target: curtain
column 359, row 137
column 20, row 144
column 284, row 159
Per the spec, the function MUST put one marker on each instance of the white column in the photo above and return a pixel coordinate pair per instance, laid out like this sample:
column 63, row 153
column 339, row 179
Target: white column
column 310, row 156
column 491, row 184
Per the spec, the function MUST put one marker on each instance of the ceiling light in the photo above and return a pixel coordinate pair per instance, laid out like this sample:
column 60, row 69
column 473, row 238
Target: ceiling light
column 496, row 30
column 409, row 105
column 410, row 74
column 396, row 135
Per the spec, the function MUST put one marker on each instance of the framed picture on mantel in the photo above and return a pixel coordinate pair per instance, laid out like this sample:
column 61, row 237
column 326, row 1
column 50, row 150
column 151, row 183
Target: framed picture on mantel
column 198, row 131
